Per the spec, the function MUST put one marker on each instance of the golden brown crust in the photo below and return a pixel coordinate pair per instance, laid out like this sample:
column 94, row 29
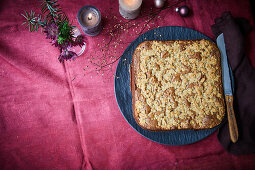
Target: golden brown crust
column 177, row 85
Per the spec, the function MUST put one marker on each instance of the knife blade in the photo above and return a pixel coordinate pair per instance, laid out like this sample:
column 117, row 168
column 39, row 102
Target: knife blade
column 228, row 91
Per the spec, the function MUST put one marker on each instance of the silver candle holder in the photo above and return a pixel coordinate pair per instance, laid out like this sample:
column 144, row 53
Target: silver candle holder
column 89, row 18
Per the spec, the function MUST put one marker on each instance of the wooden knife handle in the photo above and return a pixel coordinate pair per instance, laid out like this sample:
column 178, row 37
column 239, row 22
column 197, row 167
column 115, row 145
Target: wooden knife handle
column 233, row 130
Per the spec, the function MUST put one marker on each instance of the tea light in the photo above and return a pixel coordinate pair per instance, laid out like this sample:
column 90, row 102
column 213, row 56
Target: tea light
column 89, row 18
column 130, row 9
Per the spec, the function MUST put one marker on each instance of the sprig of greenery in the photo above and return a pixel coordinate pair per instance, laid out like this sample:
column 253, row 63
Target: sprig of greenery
column 53, row 11
column 32, row 21
column 56, row 26
column 65, row 33
column 53, row 14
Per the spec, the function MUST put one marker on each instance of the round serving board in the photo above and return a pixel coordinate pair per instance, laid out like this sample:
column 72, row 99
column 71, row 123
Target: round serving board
column 124, row 95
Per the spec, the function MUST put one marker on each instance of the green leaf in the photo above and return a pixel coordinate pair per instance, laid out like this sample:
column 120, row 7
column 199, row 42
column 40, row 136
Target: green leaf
column 26, row 13
column 24, row 16
column 44, row 9
column 60, row 39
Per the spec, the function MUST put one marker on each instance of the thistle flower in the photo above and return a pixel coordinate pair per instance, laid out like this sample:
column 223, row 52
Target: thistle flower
column 79, row 40
column 51, row 31
column 66, row 55
column 55, row 42
column 65, row 45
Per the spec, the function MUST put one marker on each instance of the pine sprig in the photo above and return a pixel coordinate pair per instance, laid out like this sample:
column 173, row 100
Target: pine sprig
column 32, row 21
column 53, row 14
column 53, row 11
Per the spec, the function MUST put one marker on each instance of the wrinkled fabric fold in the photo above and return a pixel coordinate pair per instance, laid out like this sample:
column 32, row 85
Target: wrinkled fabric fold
column 234, row 31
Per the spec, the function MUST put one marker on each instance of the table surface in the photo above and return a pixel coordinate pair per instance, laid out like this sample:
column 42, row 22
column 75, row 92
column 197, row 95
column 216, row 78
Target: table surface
column 65, row 116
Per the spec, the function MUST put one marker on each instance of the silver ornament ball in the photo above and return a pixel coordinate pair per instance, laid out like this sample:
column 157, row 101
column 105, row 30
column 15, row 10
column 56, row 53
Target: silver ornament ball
column 159, row 3
column 183, row 11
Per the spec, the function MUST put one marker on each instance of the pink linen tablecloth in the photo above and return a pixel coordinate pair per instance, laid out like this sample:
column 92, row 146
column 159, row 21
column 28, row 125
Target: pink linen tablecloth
column 64, row 115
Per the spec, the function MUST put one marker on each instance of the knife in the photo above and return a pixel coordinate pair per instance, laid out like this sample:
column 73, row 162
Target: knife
column 228, row 91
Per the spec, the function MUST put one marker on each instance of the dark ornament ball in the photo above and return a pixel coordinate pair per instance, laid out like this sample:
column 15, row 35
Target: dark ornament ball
column 183, row 11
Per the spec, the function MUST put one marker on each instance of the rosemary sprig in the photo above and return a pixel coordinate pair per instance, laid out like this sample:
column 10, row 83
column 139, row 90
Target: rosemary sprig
column 32, row 21
column 53, row 14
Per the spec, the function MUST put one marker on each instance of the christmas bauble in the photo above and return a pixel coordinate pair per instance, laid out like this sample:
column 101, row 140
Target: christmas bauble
column 183, row 11
column 159, row 3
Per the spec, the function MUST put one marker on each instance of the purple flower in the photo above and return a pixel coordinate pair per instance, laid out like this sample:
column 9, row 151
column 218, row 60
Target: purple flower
column 79, row 40
column 66, row 55
column 65, row 45
column 55, row 42
column 51, row 31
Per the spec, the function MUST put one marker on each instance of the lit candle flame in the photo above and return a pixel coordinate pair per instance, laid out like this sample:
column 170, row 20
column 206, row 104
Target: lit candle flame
column 131, row 2
column 90, row 16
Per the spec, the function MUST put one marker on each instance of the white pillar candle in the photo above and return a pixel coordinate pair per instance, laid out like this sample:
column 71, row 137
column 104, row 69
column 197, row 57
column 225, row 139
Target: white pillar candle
column 130, row 9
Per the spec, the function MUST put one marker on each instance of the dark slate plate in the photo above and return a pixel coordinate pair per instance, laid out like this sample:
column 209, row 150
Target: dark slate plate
column 124, row 96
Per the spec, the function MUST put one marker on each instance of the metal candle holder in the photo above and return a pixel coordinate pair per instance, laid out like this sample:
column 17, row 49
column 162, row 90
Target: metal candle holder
column 89, row 18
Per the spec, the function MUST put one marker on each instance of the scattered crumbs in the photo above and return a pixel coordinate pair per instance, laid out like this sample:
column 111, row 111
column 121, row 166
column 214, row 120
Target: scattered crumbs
column 113, row 39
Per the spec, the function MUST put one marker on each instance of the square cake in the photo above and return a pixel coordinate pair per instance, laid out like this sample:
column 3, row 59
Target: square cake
column 177, row 85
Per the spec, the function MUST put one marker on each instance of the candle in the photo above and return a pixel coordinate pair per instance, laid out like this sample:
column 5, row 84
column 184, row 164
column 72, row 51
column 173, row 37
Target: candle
column 130, row 9
column 89, row 18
